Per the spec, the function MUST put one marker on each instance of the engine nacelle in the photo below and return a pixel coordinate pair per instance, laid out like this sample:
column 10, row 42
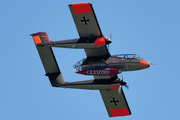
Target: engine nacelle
column 106, row 71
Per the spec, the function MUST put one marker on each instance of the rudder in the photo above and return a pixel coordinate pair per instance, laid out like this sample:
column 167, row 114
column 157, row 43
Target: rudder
column 41, row 38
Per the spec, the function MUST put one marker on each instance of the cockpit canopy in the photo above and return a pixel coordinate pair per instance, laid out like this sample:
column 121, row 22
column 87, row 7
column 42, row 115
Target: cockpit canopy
column 128, row 56
column 78, row 65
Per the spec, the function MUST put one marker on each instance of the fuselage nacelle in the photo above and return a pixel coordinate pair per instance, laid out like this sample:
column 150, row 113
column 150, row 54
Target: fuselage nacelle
column 115, row 63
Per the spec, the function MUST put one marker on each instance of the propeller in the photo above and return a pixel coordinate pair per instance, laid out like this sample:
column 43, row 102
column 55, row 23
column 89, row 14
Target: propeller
column 111, row 35
column 120, row 89
column 122, row 83
column 152, row 63
column 108, row 41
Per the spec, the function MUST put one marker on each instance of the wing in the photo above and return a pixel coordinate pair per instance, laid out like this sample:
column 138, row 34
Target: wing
column 88, row 27
column 116, row 104
column 85, row 20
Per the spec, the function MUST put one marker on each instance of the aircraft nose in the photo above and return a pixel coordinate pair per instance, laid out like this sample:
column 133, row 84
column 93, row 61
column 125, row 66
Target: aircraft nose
column 143, row 62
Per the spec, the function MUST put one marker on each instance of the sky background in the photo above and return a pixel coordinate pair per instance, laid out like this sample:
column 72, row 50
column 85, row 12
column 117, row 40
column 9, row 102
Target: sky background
column 149, row 28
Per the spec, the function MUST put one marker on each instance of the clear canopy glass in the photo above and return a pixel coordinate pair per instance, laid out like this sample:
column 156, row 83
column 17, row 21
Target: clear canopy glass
column 130, row 56
column 77, row 66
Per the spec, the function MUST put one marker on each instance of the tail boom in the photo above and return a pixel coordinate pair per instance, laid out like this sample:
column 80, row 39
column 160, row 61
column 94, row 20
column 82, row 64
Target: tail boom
column 48, row 60
column 42, row 39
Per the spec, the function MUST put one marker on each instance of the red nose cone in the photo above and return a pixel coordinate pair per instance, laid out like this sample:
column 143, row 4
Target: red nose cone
column 143, row 62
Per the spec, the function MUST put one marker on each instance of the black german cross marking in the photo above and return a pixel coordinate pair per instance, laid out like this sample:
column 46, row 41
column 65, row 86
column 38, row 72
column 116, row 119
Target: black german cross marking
column 85, row 20
column 114, row 101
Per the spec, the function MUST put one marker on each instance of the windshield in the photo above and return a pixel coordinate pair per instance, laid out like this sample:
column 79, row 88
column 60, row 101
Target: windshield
column 77, row 66
column 129, row 56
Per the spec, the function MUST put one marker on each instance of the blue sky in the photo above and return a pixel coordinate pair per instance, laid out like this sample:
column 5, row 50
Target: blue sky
column 150, row 29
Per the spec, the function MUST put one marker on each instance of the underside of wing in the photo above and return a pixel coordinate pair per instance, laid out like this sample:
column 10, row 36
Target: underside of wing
column 97, row 52
column 116, row 104
column 85, row 20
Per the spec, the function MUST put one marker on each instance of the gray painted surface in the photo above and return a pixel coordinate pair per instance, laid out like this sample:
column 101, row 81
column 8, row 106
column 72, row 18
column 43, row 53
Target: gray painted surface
column 109, row 96
column 91, row 29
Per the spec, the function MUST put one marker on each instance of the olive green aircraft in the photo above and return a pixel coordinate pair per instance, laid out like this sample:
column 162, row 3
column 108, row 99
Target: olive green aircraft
column 98, row 63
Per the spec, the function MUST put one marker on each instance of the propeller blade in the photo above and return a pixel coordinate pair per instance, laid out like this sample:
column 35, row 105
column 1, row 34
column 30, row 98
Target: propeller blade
column 152, row 64
column 108, row 41
column 119, row 89
column 127, row 86
column 110, row 37
column 122, row 83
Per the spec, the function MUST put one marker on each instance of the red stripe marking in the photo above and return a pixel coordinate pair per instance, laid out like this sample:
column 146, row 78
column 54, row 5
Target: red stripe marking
column 113, row 71
column 84, row 72
column 119, row 112
column 80, row 8
column 112, row 59
column 115, row 87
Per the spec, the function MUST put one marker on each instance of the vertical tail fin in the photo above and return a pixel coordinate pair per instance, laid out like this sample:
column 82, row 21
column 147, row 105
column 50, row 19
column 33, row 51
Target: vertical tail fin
column 41, row 38
column 48, row 59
